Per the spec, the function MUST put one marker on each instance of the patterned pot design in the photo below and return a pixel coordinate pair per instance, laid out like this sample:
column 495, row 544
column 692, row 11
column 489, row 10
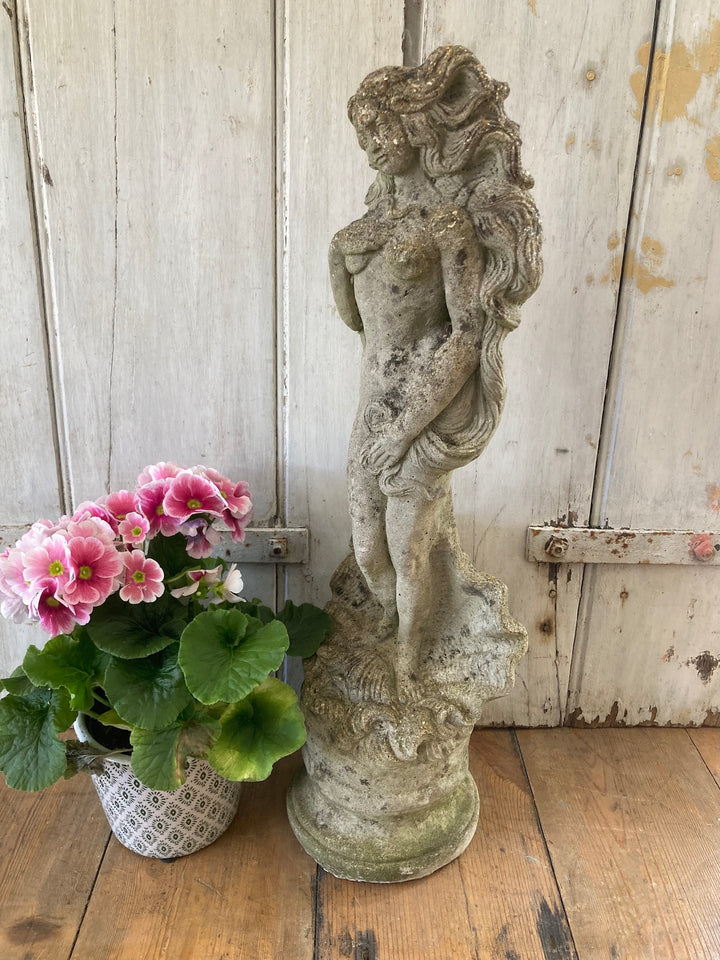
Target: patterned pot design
column 165, row 823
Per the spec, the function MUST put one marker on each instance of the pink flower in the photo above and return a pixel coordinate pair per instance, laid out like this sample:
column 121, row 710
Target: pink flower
column 235, row 525
column 701, row 546
column 202, row 537
column 121, row 503
column 143, row 578
column 158, row 471
column 189, row 493
column 55, row 616
column 92, row 508
column 197, row 577
column 151, row 498
column 36, row 534
column 94, row 527
column 134, row 528
column 49, row 564
column 96, row 564
column 14, row 595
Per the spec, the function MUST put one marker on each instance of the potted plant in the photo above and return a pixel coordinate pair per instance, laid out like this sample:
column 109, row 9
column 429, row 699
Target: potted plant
column 165, row 670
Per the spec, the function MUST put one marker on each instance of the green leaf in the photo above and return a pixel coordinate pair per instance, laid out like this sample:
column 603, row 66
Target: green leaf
column 171, row 553
column 71, row 661
column 159, row 756
column 31, row 755
column 132, row 630
column 254, row 608
column 225, row 654
column 307, row 627
column 148, row 692
column 16, row 683
column 265, row 726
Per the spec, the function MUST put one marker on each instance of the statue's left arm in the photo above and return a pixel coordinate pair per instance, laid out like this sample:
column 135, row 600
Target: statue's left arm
column 456, row 359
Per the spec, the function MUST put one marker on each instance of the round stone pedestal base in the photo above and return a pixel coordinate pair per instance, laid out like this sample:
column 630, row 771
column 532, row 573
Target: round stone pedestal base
column 390, row 849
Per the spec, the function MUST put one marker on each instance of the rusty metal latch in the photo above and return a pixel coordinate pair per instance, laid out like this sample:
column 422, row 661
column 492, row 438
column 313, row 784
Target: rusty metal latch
column 270, row 545
column 547, row 544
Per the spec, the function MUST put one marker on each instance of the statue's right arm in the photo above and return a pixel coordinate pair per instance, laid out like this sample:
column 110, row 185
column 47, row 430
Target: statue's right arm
column 342, row 288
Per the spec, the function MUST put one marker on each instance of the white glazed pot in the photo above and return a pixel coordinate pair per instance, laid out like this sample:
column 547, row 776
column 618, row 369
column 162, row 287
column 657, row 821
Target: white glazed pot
column 164, row 823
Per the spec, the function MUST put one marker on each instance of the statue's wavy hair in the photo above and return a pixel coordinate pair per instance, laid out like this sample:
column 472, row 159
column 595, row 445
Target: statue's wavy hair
column 469, row 149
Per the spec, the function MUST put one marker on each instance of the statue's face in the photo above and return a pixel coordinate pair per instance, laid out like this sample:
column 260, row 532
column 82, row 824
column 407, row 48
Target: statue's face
column 381, row 135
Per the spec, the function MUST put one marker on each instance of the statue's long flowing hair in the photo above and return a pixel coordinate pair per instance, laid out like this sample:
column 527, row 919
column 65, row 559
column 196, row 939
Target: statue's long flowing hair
column 453, row 113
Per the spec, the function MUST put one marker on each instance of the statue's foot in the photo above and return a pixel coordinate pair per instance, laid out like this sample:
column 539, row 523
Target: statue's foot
column 409, row 689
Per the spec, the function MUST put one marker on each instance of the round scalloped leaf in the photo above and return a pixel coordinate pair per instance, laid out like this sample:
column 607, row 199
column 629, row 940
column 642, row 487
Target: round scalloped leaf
column 264, row 727
column 31, row 755
column 132, row 630
column 69, row 661
column 148, row 692
column 307, row 627
column 159, row 756
column 224, row 654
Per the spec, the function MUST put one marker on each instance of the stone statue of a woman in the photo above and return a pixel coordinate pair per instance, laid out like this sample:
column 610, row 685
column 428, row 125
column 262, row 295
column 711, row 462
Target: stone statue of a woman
column 432, row 278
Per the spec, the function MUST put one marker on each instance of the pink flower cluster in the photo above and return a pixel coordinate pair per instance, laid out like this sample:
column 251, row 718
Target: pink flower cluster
column 58, row 572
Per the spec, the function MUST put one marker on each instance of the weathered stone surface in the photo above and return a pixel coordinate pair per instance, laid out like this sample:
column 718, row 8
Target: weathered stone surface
column 432, row 278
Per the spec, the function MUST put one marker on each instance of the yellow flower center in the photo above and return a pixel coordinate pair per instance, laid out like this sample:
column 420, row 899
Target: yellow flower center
column 56, row 569
column 85, row 573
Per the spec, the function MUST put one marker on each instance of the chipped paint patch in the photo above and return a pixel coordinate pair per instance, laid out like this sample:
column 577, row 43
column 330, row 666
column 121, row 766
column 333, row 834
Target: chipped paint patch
column 643, row 270
column 712, row 158
column 531, row 4
column 569, row 143
column 713, row 496
column 706, row 664
column 669, row 654
column 675, row 75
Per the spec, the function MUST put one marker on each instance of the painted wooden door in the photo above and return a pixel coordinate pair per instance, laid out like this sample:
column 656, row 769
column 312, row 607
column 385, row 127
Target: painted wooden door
column 172, row 179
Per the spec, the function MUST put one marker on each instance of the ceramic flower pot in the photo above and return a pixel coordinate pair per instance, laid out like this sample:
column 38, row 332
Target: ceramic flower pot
column 159, row 823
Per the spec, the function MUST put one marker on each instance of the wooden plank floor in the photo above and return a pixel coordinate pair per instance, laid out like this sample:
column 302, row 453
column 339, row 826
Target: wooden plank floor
column 592, row 845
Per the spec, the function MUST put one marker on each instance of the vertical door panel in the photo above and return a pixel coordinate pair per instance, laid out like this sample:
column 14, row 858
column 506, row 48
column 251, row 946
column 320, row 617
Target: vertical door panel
column 329, row 49
column 568, row 70
column 156, row 143
column 28, row 469
column 647, row 642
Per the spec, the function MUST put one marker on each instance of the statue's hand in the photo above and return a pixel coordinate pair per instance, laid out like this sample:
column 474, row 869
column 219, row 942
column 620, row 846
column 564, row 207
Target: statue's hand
column 382, row 452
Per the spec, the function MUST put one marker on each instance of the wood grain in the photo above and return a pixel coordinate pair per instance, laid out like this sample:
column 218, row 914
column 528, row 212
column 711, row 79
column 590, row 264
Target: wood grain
column 499, row 900
column 249, row 894
column 51, row 845
column 156, row 130
column 328, row 50
column 579, row 143
column 630, row 819
column 28, row 475
column 659, row 461
column 707, row 741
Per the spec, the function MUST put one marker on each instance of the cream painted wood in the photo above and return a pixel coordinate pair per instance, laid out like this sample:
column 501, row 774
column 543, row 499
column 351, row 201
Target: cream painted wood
column 158, row 144
column 568, row 72
column 329, row 48
column 28, row 473
column 648, row 640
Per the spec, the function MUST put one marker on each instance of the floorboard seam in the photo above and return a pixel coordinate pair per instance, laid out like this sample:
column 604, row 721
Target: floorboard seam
column 705, row 763
column 516, row 744
column 89, row 896
column 317, row 911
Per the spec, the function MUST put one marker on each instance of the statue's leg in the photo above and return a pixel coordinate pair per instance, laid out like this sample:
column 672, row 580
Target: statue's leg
column 367, row 512
column 414, row 525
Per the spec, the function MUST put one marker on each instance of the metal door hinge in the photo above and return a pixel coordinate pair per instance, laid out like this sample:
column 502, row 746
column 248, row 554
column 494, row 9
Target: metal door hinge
column 547, row 544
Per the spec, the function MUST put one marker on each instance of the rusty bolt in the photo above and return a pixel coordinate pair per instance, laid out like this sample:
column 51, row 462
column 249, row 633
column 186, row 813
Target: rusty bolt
column 278, row 546
column 556, row 547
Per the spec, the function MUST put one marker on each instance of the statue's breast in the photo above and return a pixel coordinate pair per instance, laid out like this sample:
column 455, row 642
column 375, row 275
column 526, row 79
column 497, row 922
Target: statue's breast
column 409, row 257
